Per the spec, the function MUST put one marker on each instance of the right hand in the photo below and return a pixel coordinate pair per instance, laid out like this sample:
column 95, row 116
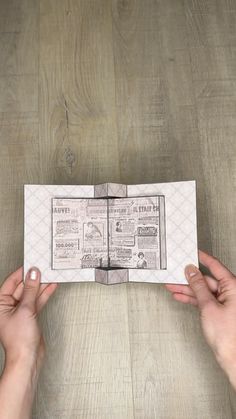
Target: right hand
column 215, row 296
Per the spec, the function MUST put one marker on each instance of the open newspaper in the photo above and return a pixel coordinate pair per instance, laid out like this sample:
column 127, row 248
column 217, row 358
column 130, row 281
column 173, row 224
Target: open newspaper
column 109, row 233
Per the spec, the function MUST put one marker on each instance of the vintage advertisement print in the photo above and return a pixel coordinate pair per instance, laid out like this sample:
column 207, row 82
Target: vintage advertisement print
column 137, row 232
column 79, row 233
column 111, row 232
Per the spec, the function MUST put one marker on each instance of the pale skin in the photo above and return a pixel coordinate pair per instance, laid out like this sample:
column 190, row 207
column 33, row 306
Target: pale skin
column 21, row 338
column 20, row 304
column 215, row 298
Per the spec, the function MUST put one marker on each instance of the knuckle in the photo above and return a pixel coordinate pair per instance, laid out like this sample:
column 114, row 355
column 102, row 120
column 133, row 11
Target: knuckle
column 197, row 281
column 29, row 289
column 6, row 300
column 226, row 285
column 198, row 287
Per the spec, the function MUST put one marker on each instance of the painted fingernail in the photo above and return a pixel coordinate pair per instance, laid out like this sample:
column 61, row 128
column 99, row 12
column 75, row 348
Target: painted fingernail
column 191, row 270
column 34, row 274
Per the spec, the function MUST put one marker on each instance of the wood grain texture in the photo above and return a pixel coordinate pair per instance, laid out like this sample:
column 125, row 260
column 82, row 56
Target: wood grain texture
column 127, row 91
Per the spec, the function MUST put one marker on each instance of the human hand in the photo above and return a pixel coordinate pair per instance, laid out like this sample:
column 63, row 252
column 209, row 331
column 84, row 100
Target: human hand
column 20, row 304
column 215, row 296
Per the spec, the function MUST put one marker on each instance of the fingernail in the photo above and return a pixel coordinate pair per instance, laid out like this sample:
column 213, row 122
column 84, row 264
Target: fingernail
column 34, row 274
column 191, row 270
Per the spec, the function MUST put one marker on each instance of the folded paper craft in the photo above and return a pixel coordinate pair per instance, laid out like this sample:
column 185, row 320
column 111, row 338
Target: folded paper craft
column 111, row 233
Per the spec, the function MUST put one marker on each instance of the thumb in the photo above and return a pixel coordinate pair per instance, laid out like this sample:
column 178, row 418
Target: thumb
column 199, row 286
column 31, row 288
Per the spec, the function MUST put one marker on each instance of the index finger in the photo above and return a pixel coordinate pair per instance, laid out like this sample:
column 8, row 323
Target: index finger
column 217, row 268
column 11, row 282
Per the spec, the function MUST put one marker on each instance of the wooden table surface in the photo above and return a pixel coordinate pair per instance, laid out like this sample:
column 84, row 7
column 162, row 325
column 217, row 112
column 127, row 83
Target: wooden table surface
column 130, row 91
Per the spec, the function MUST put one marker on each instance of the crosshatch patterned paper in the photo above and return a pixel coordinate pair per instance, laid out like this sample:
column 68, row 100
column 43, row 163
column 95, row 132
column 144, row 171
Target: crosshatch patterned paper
column 181, row 231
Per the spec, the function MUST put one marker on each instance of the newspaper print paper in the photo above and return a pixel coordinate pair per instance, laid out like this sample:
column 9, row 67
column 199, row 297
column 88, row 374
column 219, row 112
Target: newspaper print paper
column 118, row 232
column 79, row 233
column 137, row 232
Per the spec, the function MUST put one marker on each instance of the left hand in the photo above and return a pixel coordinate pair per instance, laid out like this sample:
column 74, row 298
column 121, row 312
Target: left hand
column 20, row 304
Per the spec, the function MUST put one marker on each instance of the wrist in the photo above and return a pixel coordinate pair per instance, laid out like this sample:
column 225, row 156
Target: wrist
column 17, row 387
column 228, row 364
column 23, row 364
